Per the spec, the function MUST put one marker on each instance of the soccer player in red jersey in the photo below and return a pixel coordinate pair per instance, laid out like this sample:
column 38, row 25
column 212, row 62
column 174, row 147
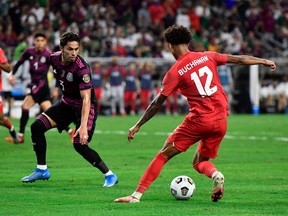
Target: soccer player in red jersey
column 4, row 120
column 195, row 76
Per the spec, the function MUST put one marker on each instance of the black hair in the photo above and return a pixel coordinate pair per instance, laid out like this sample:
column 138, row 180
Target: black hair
column 40, row 34
column 68, row 37
column 177, row 34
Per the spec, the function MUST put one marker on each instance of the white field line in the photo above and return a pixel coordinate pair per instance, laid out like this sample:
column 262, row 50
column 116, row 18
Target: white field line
column 232, row 136
column 227, row 136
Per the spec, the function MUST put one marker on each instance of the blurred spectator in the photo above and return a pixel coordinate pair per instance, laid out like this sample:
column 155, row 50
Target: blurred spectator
column 182, row 18
column 143, row 16
column 157, row 11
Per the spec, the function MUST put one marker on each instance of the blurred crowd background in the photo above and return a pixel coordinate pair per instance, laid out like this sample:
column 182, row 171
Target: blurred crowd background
column 132, row 29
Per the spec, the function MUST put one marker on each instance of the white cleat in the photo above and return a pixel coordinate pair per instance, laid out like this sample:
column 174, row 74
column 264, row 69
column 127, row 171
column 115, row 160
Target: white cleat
column 218, row 187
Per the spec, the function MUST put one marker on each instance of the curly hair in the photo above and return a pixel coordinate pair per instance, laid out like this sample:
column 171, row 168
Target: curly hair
column 68, row 37
column 177, row 34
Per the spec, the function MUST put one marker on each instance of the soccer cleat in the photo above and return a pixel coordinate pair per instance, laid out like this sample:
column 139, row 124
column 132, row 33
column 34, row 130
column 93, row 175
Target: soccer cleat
column 71, row 134
column 127, row 199
column 37, row 175
column 15, row 140
column 110, row 180
column 218, row 187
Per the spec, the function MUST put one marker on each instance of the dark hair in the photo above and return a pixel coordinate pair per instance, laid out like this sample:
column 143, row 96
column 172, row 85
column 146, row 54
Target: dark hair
column 40, row 34
column 68, row 37
column 177, row 34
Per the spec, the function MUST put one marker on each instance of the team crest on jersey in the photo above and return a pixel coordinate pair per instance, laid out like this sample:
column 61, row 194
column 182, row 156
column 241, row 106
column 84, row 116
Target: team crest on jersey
column 43, row 59
column 86, row 78
column 69, row 77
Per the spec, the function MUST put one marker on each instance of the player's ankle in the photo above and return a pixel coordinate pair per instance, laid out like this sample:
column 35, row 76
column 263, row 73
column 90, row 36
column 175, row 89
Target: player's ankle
column 137, row 195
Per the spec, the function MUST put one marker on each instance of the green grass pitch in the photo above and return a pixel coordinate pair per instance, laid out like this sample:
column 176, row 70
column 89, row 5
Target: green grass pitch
column 253, row 157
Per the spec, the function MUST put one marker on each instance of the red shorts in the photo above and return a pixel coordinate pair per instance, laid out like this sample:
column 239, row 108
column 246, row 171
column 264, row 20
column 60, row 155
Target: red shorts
column 130, row 96
column 210, row 134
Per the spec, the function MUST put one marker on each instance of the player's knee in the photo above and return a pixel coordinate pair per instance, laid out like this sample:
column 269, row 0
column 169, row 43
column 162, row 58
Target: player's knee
column 196, row 165
column 38, row 127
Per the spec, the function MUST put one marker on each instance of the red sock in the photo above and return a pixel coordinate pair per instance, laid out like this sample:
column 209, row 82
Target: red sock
column 205, row 167
column 152, row 172
column 7, row 123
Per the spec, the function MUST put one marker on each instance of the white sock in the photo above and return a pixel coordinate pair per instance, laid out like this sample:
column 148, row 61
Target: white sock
column 137, row 195
column 20, row 134
column 108, row 173
column 42, row 167
column 215, row 174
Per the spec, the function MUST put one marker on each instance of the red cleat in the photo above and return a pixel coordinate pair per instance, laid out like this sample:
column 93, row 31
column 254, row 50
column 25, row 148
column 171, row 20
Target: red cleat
column 19, row 140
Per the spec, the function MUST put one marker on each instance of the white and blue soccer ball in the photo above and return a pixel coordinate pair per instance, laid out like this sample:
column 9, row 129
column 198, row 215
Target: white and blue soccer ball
column 182, row 187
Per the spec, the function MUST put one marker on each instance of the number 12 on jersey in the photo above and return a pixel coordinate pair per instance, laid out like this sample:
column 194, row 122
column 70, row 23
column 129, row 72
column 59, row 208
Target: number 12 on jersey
column 205, row 90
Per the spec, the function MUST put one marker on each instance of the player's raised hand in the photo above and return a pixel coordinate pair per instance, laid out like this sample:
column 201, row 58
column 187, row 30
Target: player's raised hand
column 132, row 131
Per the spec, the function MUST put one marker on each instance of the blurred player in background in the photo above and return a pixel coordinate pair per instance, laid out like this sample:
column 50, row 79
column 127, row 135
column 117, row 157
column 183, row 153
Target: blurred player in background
column 226, row 79
column 7, row 93
column 116, row 73
column 97, row 82
column 146, row 72
column 39, row 92
column 78, row 105
column 4, row 120
column 195, row 76
column 131, row 87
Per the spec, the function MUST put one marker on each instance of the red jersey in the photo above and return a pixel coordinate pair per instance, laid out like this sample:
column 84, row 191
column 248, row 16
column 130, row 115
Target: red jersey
column 195, row 76
column 3, row 60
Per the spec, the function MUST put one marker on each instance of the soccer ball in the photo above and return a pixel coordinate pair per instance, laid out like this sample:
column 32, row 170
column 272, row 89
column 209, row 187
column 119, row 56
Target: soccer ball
column 182, row 187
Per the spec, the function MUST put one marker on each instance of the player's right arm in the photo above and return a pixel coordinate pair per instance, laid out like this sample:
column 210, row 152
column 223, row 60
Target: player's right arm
column 17, row 65
column 250, row 60
column 4, row 64
column 5, row 67
column 151, row 110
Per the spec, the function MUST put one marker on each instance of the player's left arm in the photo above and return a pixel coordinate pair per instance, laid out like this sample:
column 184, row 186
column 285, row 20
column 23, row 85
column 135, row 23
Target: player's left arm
column 82, row 130
column 151, row 110
column 250, row 60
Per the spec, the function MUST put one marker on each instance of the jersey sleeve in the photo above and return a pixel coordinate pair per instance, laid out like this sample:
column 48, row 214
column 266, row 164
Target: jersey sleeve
column 219, row 58
column 24, row 57
column 3, row 58
column 169, row 83
column 85, row 78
